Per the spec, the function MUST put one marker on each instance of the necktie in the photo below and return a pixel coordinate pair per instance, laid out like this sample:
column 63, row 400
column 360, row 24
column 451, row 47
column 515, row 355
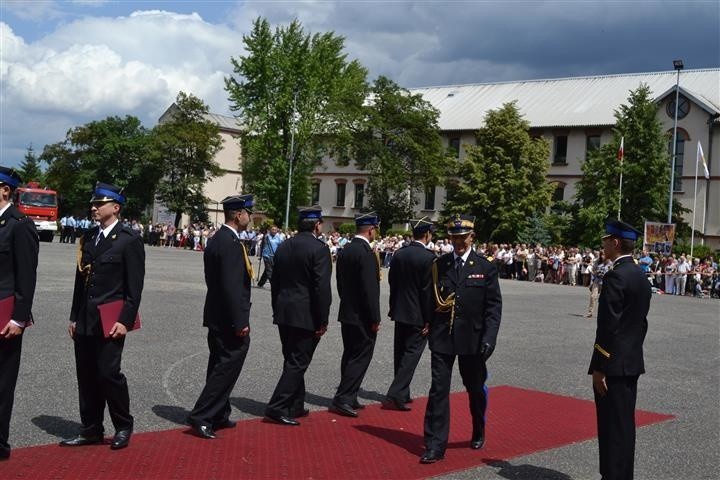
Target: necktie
column 99, row 239
column 458, row 264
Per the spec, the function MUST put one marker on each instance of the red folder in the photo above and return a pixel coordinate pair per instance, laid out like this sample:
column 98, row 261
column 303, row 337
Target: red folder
column 7, row 307
column 110, row 314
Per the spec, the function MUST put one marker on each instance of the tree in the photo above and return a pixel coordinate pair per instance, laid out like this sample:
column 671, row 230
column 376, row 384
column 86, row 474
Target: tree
column 186, row 145
column 30, row 170
column 115, row 150
column 534, row 232
column 292, row 88
column 502, row 179
column 646, row 171
column 400, row 147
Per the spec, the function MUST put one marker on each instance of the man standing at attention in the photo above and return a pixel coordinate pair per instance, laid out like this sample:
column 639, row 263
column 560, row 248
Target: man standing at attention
column 228, row 275
column 358, row 284
column 465, row 325
column 617, row 359
column 18, row 266
column 270, row 243
column 110, row 268
column 301, row 298
column 411, row 308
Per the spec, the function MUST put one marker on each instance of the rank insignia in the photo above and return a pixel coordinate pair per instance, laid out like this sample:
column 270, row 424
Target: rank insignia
column 471, row 262
column 114, row 236
column 476, row 275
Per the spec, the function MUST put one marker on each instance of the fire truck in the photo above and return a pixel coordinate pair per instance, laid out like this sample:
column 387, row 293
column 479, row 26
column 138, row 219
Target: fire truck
column 40, row 204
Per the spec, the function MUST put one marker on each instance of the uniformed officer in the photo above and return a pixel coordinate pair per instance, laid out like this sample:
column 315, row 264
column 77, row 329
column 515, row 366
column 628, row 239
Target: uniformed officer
column 226, row 315
column 18, row 265
column 301, row 298
column 110, row 268
column 358, row 284
column 617, row 359
column 465, row 324
column 411, row 308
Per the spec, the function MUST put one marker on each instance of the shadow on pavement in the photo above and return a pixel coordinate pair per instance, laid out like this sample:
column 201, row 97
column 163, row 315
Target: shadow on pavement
column 171, row 413
column 57, row 426
column 411, row 442
column 248, row 405
column 524, row 472
column 368, row 395
column 318, row 400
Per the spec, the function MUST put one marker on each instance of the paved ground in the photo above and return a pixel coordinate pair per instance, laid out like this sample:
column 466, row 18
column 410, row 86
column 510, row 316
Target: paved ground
column 544, row 344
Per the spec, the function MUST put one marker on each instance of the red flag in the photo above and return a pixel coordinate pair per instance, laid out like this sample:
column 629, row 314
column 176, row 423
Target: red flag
column 621, row 150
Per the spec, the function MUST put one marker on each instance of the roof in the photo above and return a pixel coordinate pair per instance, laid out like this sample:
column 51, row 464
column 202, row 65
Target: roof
column 566, row 102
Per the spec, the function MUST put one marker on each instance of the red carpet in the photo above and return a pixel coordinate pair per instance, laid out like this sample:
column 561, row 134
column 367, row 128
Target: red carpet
column 379, row 444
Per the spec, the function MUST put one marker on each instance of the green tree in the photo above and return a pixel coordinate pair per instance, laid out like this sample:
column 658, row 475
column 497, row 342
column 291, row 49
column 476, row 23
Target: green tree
column 502, row 179
column 292, row 82
column 400, row 147
column 115, row 150
column 534, row 231
column 645, row 168
column 30, row 170
column 186, row 145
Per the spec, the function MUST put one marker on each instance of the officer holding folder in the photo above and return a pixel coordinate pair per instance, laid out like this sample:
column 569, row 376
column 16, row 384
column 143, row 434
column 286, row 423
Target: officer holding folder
column 18, row 264
column 108, row 285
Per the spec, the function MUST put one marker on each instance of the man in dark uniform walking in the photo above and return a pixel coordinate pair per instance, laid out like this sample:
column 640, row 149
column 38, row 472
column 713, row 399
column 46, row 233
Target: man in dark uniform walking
column 301, row 298
column 226, row 315
column 110, row 268
column 18, row 266
column 411, row 308
column 617, row 360
column 465, row 325
column 358, row 284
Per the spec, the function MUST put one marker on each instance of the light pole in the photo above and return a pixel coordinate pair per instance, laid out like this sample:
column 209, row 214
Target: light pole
column 678, row 65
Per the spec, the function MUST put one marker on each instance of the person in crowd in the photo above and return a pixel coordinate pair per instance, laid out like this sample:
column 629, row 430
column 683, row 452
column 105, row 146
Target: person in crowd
column 18, row 276
column 465, row 325
column 682, row 270
column 110, row 271
column 228, row 276
column 597, row 272
column 617, row 358
column 301, row 298
column 411, row 308
column 270, row 243
column 358, row 285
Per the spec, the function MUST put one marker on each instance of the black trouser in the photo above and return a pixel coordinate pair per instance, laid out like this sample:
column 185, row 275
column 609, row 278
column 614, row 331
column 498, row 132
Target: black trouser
column 267, row 271
column 298, row 347
column 409, row 344
column 616, row 428
column 358, row 347
column 437, row 416
column 10, row 351
column 227, row 356
column 100, row 381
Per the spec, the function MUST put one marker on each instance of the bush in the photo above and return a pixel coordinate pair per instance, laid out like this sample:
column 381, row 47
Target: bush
column 398, row 231
column 346, row 228
column 699, row 250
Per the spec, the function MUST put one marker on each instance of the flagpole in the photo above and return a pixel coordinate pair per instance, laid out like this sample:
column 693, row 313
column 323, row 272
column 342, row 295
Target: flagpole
column 692, row 235
column 621, row 154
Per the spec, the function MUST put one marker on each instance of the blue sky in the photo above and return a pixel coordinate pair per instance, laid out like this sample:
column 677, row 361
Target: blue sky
column 65, row 63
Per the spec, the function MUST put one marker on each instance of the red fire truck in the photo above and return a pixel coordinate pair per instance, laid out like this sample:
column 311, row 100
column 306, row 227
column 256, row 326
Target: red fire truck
column 40, row 204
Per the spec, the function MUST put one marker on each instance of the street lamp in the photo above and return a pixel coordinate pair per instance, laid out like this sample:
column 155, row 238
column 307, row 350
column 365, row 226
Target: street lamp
column 677, row 65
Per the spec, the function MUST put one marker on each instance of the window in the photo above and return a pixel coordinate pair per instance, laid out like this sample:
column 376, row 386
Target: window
column 359, row 195
column 683, row 107
column 679, row 154
column 454, row 146
column 315, row 193
column 340, row 195
column 560, row 157
column 430, row 198
column 592, row 143
column 559, row 193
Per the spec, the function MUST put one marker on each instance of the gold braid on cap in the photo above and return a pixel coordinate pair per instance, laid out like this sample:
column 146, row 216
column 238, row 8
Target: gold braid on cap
column 248, row 265
column 83, row 269
column 443, row 305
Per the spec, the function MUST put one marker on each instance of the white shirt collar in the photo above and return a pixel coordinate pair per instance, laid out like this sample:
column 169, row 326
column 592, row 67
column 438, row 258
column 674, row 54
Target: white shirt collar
column 106, row 231
column 2, row 210
column 464, row 257
column 232, row 229
column 618, row 258
column 360, row 236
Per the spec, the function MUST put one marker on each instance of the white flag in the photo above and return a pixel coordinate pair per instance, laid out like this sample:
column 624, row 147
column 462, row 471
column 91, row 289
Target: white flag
column 700, row 156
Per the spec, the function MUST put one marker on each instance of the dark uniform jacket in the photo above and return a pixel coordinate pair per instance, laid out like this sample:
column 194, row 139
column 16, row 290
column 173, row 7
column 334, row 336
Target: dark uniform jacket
column 112, row 270
column 18, row 261
column 410, row 277
column 478, row 306
column 227, row 303
column 358, row 283
column 622, row 320
column 301, row 294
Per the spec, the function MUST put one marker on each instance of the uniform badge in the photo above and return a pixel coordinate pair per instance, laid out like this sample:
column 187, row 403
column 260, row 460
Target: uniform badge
column 114, row 236
column 477, row 275
column 471, row 262
column 2, row 222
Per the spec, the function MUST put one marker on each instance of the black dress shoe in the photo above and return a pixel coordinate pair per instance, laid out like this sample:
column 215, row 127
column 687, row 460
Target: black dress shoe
column 358, row 406
column 82, row 440
column 478, row 439
column 282, row 420
column 4, row 455
column 343, row 409
column 121, row 439
column 224, row 424
column 203, row 431
column 431, row 456
column 393, row 404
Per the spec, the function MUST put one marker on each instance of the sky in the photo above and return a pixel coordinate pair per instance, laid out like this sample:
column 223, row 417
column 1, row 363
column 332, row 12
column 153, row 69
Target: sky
column 67, row 63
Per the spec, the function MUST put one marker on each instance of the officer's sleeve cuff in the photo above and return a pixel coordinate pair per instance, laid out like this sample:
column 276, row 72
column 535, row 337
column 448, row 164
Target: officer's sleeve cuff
column 602, row 351
column 18, row 323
